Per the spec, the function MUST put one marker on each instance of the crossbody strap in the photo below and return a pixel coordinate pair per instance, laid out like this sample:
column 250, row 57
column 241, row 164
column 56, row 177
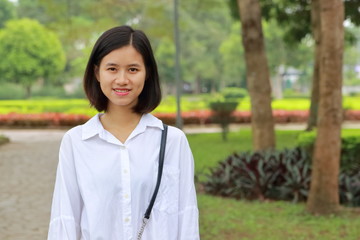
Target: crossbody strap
column 158, row 181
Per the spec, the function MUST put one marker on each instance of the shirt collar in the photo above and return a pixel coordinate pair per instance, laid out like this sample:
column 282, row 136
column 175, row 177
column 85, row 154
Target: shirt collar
column 94, row 126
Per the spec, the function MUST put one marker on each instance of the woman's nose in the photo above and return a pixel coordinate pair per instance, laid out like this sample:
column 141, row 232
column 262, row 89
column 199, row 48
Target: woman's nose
column 121, row 78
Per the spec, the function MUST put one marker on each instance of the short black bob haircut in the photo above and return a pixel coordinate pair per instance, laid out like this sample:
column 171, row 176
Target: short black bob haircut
column 113, row 39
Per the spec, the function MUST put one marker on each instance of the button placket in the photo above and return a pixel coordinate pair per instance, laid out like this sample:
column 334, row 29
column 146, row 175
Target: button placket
column 126, row 192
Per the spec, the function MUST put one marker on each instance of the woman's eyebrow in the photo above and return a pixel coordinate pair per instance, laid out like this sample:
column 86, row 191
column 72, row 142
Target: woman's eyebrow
column 111, row 64
column 134, row 65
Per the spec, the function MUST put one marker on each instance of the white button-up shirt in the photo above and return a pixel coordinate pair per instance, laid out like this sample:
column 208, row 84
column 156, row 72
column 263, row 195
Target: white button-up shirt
column 103, row 187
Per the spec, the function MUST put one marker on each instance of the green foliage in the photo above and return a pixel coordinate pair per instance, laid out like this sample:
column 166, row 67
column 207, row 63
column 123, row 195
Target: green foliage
column 202, row 32
column 217, row 150
column 350, row 148
column 222, row 114
column 234, row 93
column 280, row 175
column 46, row 91
column 232, row 55
column 277, row 175
column 291, row 104
column 290, row 93
column 7, row 12
column 350, row 188
column 44, row 105
column 259, row 220
column 168, row 104
column 11, row 91
column 29, row 52
column 165, row 53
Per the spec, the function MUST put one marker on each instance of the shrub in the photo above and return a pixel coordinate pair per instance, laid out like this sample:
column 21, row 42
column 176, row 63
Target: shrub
column 350, row 189
column 276, row 175
column 281, row 175
column 42, row 120
column 222, row 115
column 352, row 115
column 350, row 149
column 291, row 93
column 234, row 93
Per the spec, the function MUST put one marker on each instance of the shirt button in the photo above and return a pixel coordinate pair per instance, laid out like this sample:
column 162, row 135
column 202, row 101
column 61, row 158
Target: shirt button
column 126, row 196
column 126, row 171
column 127, row 220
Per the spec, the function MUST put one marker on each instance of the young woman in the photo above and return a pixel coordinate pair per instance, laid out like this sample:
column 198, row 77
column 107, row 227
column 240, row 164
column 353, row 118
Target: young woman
column 108, row 167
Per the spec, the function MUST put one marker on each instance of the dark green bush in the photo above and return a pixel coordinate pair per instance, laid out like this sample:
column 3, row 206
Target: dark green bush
column 222, row 114
column 350, row 189
column 276, row 175
column 350, row 149
column 234, row 93
column 280, row 175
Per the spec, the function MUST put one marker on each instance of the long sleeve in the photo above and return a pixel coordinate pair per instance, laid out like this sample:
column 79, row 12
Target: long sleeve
column 67, row 202
column 188, row 210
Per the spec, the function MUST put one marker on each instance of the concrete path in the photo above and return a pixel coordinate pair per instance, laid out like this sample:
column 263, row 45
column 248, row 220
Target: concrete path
column 27, row 174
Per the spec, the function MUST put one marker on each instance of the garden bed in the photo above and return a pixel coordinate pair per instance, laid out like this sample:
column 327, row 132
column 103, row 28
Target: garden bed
column 200, row 117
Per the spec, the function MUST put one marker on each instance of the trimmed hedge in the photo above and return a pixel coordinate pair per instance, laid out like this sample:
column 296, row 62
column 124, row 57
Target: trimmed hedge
column 350, row 149
column 192, row 117
column 41, row 120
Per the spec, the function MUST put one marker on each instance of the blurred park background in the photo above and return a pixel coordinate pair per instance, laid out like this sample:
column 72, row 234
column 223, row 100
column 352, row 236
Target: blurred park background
column 286, row 73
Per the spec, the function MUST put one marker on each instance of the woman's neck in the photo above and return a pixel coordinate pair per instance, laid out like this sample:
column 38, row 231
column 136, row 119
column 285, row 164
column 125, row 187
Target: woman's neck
column 120, row 122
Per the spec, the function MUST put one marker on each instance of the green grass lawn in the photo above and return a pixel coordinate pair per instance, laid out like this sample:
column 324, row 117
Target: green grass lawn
column 242, row 220
column 229, row 219
column 208, row 149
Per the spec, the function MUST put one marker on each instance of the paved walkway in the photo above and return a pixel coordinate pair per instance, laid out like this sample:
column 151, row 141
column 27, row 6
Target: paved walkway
column 27, row 174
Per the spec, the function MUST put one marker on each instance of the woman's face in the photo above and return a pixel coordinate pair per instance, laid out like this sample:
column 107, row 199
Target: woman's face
column 121, row 75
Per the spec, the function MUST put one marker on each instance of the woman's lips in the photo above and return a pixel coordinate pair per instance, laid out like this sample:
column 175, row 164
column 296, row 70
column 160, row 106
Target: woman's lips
column 121, row 91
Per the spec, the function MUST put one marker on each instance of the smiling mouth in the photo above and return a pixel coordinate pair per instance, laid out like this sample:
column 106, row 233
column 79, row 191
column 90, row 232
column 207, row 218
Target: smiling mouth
column 122, row 90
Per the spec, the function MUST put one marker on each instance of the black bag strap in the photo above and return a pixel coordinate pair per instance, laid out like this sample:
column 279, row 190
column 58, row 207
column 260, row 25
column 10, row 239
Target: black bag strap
column 160, row 170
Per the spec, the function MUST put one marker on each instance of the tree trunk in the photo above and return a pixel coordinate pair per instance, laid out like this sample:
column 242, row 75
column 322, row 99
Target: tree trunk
column 198, row 86
column 315, row 25
column 28, row 91
column 277, row 83
column 324, row 192
column 257, row 74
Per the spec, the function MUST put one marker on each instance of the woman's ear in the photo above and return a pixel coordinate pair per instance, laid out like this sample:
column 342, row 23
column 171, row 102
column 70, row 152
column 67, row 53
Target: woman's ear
column 96, row 72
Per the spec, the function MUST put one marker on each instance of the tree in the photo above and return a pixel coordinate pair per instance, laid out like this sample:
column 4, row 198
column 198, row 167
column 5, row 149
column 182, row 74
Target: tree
column 164, row 53
column 203, row 32
column 7, row 12
column 324, row 195
column 29, row 52
column 299, row 19
column 233, row 71
column 315, row 89
column 257, row 74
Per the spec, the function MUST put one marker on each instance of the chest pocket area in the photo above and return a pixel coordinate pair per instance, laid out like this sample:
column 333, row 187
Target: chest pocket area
column 167, row 199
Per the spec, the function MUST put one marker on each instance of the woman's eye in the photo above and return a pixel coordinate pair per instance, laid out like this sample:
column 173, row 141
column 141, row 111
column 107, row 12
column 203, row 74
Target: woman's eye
column 112, row 69
column 133, row 70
